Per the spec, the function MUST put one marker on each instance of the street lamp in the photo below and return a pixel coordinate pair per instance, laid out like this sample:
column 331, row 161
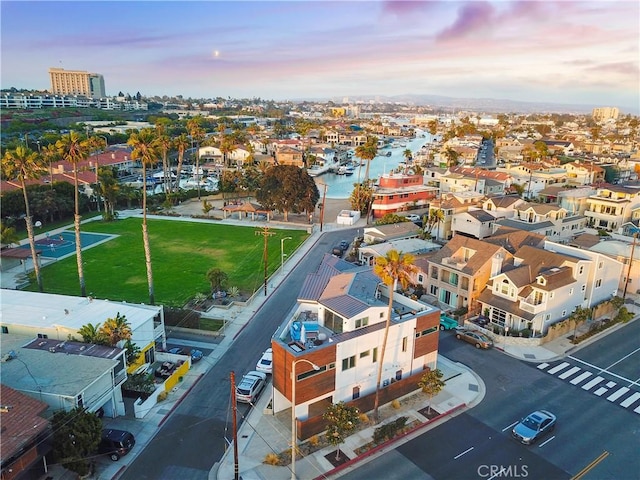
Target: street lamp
column 282, row 253
column 635, row 231
column 294, row 437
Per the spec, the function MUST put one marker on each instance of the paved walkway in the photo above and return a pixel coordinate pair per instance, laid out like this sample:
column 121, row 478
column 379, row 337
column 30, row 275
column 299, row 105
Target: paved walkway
column 463, row 390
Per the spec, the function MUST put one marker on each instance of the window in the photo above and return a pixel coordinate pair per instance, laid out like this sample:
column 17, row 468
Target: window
column 581, row 270
column 404, row 344
column 600, row 265
column 433, row 290
column 43, row 335
column 381, row 314
column 311, row 373
column 356, row 393
column 571, row 291
column 399, row 375
column 333, row 321
column 504, row 287
column 465, row 283
column 80, row 401
column 365, row 353
column 5, row 329
column 375, row 355
column 598, row 283
column 564, row 313
column 583, row 288
column 348, row 363
column 362, row 322
column 420, row 278
column 498, row 317
column 434, row 272
column 429, row 330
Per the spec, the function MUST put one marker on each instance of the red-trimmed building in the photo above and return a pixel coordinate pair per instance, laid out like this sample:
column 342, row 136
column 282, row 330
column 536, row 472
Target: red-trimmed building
column 398, row 191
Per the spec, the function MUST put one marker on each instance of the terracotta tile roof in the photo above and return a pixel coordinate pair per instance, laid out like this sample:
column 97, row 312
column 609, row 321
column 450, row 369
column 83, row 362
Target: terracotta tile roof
column 586, row 240
column 511, row 239
column 484, row 252
column 21, row 423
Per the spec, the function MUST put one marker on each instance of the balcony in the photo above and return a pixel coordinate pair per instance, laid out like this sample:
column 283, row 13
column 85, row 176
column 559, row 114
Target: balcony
column 456, row 262
column 529, row 306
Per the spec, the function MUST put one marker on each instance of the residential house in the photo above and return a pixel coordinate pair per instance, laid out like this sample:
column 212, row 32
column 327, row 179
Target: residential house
column 459, row 272
column 393, row 231
column 286, row 155
column 622, row 251
column 584, row 173
column 334, row 339
column 475, row 223
column 24, row 435
column 502, row 205
column 547, row 219
column 46, row 315
column 451, row 204
column 612, row 206
column 536, row 288
column 574, row 200
column 367, row 254
column 398, row 192
column 65, row 374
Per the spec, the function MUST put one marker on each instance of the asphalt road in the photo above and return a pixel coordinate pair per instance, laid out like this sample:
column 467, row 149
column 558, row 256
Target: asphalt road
column 477, row 443
column 196, row 435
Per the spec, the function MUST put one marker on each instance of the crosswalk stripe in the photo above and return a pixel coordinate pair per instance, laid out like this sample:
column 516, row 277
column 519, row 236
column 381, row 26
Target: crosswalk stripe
column 580, row 378
column 614, row 396
column 542, row 366
column 557, row 368
column 630, row 400
column 601, row 391
column 569, row 372
column 637, row 409
column 592, row 383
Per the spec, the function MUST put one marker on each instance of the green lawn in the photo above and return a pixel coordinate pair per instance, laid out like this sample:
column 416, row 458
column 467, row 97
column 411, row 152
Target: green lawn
column 181, row 254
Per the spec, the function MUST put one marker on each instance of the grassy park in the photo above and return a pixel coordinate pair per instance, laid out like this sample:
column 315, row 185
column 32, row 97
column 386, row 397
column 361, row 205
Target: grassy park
column 182, row 253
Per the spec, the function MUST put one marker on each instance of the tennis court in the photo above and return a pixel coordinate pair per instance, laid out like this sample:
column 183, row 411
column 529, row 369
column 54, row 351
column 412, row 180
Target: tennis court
column 61, row 244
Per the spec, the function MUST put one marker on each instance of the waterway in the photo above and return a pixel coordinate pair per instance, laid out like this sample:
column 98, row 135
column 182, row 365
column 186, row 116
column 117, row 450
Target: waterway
column 341, row 186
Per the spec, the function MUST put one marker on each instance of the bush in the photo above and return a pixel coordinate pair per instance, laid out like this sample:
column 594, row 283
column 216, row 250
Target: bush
column 162, row 396
column 314, row 440
column 271, row 459
column 395, row 404
column 389, row 430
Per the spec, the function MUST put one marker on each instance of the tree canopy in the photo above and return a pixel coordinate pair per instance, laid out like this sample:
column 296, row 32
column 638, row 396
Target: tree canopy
column 76, row 436
column 288, row 188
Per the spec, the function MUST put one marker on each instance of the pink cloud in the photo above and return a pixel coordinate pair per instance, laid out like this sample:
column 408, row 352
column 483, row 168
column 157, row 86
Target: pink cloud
column 472, row 17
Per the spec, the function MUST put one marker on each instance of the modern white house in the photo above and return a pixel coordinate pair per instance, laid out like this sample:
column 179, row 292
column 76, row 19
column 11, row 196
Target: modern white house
column 333, row 343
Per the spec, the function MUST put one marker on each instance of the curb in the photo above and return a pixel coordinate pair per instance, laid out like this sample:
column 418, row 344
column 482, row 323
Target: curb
column 389, row 442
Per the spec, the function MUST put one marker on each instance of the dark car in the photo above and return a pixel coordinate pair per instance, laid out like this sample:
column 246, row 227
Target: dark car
column 337, row 251
column 534, row 426
column 478, row 339
column 116, row 443
column 176, row 351
column 344, row 245
column 196, row 355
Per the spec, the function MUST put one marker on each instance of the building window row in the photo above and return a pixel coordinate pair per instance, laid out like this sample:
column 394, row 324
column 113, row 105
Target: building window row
column 311, row 373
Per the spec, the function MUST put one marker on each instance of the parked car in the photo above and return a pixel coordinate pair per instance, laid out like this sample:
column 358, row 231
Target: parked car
column 447, row 323
column 196, row 355
column 479, row 339
column 337, row 251
column 265, row 364
column 250, row 387
column 116, row 443
column 176, row 351
column 413, row 217
column 344, row 245
column 534, row 426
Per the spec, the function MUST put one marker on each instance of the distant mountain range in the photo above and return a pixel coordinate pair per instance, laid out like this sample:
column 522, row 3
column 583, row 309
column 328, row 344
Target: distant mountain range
column 489, row 105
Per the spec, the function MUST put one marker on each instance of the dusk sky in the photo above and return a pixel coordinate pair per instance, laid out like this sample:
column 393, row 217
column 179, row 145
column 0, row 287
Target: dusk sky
column 537, row 51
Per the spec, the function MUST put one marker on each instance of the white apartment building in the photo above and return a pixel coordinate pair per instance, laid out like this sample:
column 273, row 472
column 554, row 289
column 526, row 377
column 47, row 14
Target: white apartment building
column 612, row 206
column 76, row 82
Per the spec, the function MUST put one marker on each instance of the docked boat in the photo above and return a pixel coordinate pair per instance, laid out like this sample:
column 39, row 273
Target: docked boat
column 318, row 169
column 349, row 170
column 342, row 170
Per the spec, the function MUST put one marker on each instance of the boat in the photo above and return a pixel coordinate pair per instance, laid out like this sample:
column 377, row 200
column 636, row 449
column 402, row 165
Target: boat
column 342, row 170
column 388, row 154
column 318, row 169
column 349, row 170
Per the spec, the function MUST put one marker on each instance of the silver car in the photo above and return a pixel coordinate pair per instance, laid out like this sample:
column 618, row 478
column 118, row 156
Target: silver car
column 250, row 387
column 534, row 426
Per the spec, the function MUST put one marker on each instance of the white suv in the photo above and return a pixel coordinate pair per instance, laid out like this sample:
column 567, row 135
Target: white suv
column 250, row 387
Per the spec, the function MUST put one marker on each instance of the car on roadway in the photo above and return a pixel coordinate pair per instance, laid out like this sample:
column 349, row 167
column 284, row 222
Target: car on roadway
column 534, row 426
column 474, row 337
column 250, row 387
column 344, row 245
column 265, row 364
column 413, row 217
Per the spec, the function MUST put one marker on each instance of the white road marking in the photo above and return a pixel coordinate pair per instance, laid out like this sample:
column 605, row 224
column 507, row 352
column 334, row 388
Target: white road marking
column 463, row 453
column 542, row 366
column 580, row 378
column 592, row 383
column 557, row 368
column 623, row 358
column 600, row 370
column 546, row 441
column 601, row 391
column 569, row 372
column 630, row 400
column 510, row 426
column 637, row 409
column 614, row 396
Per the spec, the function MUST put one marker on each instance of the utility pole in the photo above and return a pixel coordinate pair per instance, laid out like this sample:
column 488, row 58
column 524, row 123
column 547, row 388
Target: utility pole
column 264, row 231
column 322, row 206
column 236, row 467
column 633, row 248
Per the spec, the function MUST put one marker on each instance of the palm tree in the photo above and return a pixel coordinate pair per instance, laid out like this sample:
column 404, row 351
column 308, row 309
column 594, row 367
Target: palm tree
column 25, row 164
column 8, row 235
column 436, row 217
column 180, row 143
column 392, row 268
column 145, row 149
column 116, row 329
column 217, row 278
column 164, row 144
column 197, row 134
column 91, row 333
column 74, row 150
column 51, row 154
column 407, row 155
column 368, row 152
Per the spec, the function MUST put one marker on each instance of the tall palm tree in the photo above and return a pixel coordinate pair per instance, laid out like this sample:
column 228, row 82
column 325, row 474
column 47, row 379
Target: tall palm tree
column 116, row 329
column 180, row 143
column 197, row 135
column 392, row 268
column 51, row 154
column 164, row 144
column 368, row 152
column 25, row 164
column 145, row 149
column 74, row 150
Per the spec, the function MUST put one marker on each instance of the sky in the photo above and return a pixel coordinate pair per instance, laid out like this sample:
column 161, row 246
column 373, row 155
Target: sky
column 584, row 52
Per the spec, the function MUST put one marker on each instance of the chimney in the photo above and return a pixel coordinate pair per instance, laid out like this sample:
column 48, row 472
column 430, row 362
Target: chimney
column 496, row 264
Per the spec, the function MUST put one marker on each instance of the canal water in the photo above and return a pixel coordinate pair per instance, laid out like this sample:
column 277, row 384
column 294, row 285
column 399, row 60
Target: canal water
column 341, row 186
